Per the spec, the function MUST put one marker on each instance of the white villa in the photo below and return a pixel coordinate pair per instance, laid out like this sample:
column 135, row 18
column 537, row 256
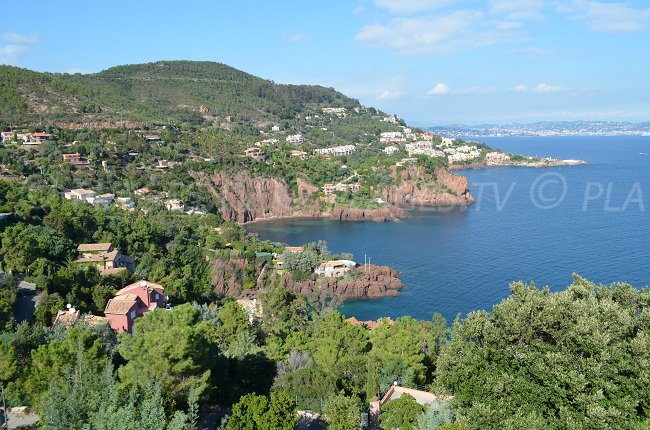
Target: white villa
column 446, row 141
column 462, row 153
column 390, row 150
column 175, row 205
column 80, row 194
column 340, row 112
column 423, row 147
column 392, row 136
column 103, row 199
column 329, row 189
column 336, row 150
column 334, row 268
column 296, row 139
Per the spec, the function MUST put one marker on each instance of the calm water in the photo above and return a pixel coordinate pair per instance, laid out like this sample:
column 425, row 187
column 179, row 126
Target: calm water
column 527, row 224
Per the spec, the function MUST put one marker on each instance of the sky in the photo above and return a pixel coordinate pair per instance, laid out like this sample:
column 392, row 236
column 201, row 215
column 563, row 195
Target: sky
column 432, row 62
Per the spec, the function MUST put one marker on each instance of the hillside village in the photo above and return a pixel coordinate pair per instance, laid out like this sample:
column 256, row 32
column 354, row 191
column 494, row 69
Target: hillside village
column 389, row 148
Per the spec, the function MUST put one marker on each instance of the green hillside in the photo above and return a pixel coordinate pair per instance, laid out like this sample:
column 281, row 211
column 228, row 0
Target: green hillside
column 148, row 92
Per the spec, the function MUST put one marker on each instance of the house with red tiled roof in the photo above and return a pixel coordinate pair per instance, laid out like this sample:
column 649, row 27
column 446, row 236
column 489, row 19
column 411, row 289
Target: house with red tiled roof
column 35, row 138
column 122, row 310
column 132, row 302
column 151, row 294
column 141, row 192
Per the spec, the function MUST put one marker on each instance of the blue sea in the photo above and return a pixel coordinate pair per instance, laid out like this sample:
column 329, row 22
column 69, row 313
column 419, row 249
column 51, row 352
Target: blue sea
column 527, row 224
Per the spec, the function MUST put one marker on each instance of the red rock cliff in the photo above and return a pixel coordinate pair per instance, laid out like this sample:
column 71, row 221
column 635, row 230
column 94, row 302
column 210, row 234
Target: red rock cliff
column 413, row 188
column 244, row 198
column 375, row 282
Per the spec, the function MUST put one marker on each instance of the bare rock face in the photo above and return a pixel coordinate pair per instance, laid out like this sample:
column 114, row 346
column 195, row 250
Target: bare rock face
column 457, row 184
column 227, row 276
column 374, row 282
column 244, row 198
column 450, row 189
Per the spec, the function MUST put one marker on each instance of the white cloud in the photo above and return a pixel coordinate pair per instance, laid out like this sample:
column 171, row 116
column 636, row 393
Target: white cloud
column 439, row 89
column 10, row 50
column 297, row 37
column 21, row 39
column 458, row 31
column 509, row 25
column 520, row 89
column 411, row 6
column 389, row 95
column 9, row 53
column 517, row 9
column 16, row 45
column 547, row 88
column 367, row 85
column 532, row 51
column 609, row 17
column 442, row 88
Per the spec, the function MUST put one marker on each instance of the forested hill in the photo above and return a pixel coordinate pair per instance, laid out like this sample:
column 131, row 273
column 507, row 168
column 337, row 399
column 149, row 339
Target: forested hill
column 183, row 91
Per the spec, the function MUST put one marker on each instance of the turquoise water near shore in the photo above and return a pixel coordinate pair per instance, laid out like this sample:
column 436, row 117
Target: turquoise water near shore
column 527, row 224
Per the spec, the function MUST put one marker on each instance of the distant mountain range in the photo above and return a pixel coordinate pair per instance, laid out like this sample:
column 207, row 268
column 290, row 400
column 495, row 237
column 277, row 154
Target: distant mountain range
column 546, row 128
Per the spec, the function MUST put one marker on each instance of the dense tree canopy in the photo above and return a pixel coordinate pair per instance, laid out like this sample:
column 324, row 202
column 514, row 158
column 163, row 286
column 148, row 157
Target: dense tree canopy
column 401, row 413
column 254, row 412
column 343, row 413
column 29, row 248
column 575, row 359
column 172, row 348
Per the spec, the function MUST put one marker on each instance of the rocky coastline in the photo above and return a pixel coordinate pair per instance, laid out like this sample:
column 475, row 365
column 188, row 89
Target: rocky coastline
column 369, row 282
column 373, row 282
column 246, row 199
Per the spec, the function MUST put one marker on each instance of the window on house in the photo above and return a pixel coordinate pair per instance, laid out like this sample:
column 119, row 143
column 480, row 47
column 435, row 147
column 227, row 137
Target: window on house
column 133, row 314
column 157, row 296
